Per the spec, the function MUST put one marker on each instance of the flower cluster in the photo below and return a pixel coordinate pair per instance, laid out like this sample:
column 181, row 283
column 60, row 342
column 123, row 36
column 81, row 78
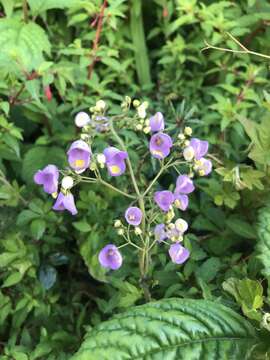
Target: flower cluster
column 140, row 229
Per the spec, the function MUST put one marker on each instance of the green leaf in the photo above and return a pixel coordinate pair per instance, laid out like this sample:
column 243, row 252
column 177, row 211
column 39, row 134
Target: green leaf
column 209, row 269
column 37, row 228
column 82, row 226
column 12, row 279
column 171, row 329
column 248, row 294
column 22, row 44
column 39, row 6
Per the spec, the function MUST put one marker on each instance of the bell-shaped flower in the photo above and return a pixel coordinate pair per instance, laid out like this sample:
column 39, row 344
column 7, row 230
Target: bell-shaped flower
column 164, row 199
column 133, row 215
column 115, row 161
column 65, row 202
column 184, row 185
column 203, row 167
column 110, row 257
column 181, row 201
column 156, row 122
column 200, row 147
column 160, row 145
column 160, row 233
column 48, row 177
column 79, row 156
column 178, row 253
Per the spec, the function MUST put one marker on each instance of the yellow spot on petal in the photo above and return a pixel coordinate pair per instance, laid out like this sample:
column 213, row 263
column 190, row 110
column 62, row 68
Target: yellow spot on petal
column 115, row 169
column 54, row 195
column 79, row 163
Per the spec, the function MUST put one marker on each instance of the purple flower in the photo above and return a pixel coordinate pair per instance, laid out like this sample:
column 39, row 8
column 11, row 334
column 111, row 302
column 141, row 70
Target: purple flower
column 184, row 185
column 65, row 202
column 157, row 122
column 133, row 215
column 164, row 199
column 160, row 233
column 204, row 167
column 160, row 145
column 48, row 177
column 79, row 155
column 181, row 201
column 200, row 147
column 115, row 160
column 178, row 253
column 110, row 257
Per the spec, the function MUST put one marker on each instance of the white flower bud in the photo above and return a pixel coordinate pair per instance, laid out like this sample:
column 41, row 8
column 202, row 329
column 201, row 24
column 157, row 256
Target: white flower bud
column 188, row 130
column 67, row 182
column 142, row 110
column 181, row 136
column 54, row 195
column 147, row 130
column 139, row 127
column 120, row 232
column 100, row 105
column 117, row 223
column 82, row 119
column 186, row 143
column 188, row 153
column 181, row 225
column 138, row 231
column 136, row 103
column 101, row 159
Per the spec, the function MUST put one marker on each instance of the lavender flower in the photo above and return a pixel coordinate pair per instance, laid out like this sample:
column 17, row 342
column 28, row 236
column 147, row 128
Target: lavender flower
column 115, row 161
column 200, row 147
column 203, row 166
column 48, row 177
column 181, row 201
column 110, row 257
column 160, row 233
column 79, row 155
column 184, row 185
column 160, row 145
column 164, row 199
column 178, row 253
column 65, row 202
column 133, row 215
column 157, row 122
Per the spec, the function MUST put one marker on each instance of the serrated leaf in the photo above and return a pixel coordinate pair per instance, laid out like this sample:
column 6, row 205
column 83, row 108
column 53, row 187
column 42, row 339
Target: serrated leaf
column 171, row 329
column 22, row 44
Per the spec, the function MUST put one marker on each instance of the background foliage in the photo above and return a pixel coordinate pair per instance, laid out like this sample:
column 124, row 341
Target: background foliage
column 52, row 288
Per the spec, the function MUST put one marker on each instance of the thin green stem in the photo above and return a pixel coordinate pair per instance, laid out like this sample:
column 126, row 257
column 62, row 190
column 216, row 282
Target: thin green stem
column 25, row 11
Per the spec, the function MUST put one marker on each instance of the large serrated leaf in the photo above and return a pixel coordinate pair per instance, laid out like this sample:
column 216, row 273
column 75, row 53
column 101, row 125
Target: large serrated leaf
column 263, row 245
column 171, row 329
column 22, row 45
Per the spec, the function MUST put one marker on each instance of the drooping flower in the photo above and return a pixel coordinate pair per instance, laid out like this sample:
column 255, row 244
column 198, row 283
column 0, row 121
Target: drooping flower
column 160, row 145
column 160, row 233
column 79, row 156
column 82, row 119
column 164, row 199
column 181, row 225
column 200, row 147
column 110, row 257
column 178, row 253
column 48, row 177
column 184, row 185
column 181, row 201
column 65, row 202
column 203, row 167
column 133, row 215
column 156, row 122
column 115, row 161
